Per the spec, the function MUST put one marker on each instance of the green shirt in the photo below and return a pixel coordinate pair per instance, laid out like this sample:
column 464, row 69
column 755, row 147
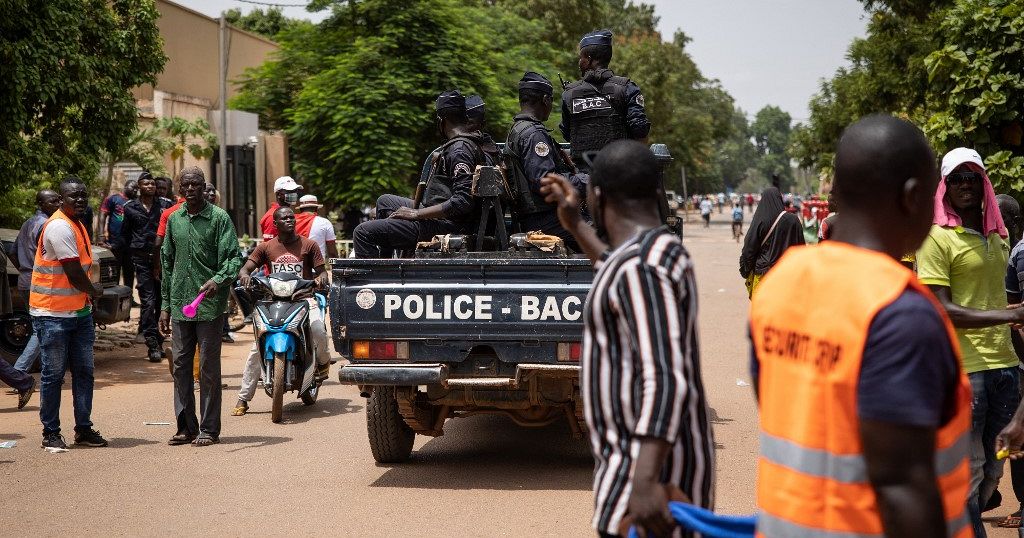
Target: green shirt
column 196, row 249
column 973, row 267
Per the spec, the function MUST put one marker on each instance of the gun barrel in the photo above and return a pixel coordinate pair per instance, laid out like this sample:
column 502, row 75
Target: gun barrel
column 417, row 198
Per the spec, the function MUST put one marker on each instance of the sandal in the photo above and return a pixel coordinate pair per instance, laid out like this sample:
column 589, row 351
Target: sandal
column 240, row 410
column 1011, row 521
column 205, row 440
column 181, row 439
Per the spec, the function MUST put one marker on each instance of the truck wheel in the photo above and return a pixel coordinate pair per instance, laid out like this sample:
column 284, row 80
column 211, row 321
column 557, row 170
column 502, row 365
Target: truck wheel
column 278, row 392
column 390, row 437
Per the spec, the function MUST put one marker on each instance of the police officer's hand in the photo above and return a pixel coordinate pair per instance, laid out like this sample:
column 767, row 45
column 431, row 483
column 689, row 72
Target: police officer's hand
column 557, row 190
column 165, row 323
column 405, row 213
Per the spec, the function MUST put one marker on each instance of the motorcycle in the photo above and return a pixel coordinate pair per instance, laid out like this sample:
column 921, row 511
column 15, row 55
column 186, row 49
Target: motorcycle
column 282, row 331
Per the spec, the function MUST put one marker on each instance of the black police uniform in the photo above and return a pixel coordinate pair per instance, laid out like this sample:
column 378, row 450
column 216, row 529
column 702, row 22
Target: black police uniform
column 449, row 185
column 536, row 154
column 139, row 236
column 601, row 108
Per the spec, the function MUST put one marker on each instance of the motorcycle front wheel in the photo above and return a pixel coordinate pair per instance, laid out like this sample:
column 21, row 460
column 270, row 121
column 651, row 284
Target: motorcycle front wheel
column 278, row 391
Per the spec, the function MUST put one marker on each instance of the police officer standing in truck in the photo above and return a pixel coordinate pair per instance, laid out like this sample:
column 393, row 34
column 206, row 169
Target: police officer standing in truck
column 531, row 153
column 602, row 107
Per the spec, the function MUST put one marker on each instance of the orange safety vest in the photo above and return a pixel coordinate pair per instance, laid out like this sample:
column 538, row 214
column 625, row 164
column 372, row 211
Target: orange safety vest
column 812, row 477
column 51, row 289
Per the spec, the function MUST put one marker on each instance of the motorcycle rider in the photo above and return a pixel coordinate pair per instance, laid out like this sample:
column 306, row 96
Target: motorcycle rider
column 286, row 253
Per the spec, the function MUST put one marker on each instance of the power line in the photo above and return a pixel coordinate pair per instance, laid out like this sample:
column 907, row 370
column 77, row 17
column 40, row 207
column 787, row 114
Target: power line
column 273, row 4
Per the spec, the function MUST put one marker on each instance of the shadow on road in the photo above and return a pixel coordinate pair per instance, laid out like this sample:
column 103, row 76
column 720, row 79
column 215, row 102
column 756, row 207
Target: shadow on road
column 130, row 442
column 492, row 452
column 253, row 441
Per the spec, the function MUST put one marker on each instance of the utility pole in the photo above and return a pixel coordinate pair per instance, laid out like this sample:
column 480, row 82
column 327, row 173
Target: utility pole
column 222, row 162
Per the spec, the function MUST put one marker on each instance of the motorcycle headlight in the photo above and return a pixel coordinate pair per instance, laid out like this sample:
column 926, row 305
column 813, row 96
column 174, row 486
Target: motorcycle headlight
column 283, row 288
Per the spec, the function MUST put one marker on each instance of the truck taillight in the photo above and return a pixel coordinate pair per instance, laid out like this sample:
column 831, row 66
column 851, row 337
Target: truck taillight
column 569, row 351
column 380, row 349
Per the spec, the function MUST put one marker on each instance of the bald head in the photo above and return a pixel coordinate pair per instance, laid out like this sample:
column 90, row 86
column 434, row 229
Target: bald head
column 874, row 159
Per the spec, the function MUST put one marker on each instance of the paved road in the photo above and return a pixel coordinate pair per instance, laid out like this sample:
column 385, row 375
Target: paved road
column 314, row 473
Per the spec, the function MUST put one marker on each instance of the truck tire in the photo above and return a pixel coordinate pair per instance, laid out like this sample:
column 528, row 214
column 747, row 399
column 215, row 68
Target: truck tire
column 390, row 437
column 278, row 391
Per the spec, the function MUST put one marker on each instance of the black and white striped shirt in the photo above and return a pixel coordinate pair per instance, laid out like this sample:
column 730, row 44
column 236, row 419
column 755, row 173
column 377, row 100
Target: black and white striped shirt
column 641, row 373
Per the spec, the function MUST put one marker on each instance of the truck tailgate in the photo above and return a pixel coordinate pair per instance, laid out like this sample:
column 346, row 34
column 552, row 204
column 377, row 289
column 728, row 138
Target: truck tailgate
column 459, row 303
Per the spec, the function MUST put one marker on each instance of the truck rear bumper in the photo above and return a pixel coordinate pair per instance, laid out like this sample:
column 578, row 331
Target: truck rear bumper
column 437, row 374
column 393, row 374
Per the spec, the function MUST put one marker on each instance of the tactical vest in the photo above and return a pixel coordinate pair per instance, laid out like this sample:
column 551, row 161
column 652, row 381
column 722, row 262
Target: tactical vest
column 812, row 477
column 524, row 200
column 439, row 185
column 597, row 115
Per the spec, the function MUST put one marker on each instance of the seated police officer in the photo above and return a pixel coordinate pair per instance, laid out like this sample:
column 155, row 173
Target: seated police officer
column 602, row 107
column 448, row 206
column 531, row 154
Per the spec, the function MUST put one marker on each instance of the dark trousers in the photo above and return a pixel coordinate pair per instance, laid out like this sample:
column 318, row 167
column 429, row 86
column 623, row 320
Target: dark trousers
column 186, row 336
column 124, row 260
column 381, row 237
column 66, row 345
column 16, row 379
column 149, row 298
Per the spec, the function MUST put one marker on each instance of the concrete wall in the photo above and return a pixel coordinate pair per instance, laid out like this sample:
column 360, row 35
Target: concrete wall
column 191, row 44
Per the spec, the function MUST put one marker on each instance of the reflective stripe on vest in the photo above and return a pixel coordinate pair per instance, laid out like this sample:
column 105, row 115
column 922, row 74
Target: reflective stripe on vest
column 812, row 475
column 51, row 289
column 58, row 269
column 769, row 525
column 846, row 468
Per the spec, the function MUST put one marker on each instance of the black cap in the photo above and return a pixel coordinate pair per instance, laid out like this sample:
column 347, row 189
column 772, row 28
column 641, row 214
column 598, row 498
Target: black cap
column 597, row 37
column 450, row 100
column 475, row 106
column 536, row 81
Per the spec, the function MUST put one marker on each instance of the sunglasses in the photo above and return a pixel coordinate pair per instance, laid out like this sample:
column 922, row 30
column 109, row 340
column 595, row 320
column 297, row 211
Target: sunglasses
column 960, row 178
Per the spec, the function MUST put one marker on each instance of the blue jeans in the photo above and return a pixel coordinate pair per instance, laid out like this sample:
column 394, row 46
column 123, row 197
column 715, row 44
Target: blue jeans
column 996, row 396
column 31, row 352
column 66, row 345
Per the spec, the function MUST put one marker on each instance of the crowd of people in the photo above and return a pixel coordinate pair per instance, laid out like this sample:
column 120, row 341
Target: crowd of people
column 171, row 252
column 887, row 407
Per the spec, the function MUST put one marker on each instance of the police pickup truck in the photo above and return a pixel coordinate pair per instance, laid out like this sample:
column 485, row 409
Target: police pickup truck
column 455, row 331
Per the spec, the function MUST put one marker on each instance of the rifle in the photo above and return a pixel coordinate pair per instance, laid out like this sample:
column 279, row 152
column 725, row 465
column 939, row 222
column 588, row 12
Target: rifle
column 564, row 83
column 417, row 198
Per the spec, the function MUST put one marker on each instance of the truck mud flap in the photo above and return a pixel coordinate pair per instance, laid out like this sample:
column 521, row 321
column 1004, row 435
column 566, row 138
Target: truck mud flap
column 393, row 375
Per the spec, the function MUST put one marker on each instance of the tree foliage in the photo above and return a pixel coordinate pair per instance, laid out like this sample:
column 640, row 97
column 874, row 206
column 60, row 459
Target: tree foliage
column 355, row 92
column 954, row 67
column 268, row 23
column 68, row 68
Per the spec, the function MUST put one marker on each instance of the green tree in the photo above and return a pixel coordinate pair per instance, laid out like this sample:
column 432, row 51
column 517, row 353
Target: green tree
column 68, row 68
column 771, row 130
column 976, row 87
column 145, row 147
column 736, row 158
column 179, row 136
column 268, row 23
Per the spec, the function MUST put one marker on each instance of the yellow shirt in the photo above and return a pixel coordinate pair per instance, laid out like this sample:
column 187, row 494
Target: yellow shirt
column 974, row 269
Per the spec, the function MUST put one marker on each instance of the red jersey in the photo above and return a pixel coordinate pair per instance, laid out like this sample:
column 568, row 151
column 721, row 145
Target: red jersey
column 161, row 229
column 267, row 223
